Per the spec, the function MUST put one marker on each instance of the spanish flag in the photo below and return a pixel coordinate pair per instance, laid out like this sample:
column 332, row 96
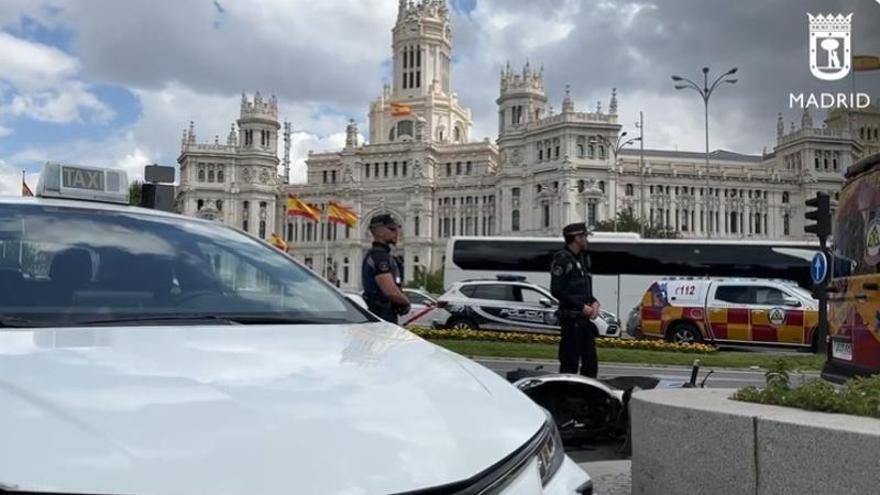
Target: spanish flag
column 25, row 190
column 400, row 109
column 278, row 242
column 337, row 213
column 865, row 62
column 298, row 208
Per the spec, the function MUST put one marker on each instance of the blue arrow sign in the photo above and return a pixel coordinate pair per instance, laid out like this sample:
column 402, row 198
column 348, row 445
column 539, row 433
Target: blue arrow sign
column 819, row 268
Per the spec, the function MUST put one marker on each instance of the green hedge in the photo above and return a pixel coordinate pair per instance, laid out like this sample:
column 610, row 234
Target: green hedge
column 858, row 396
column 543, row 338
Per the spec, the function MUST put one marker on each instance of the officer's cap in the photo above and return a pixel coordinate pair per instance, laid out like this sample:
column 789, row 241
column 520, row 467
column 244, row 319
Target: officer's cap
column 576, row 229
column 384, row 220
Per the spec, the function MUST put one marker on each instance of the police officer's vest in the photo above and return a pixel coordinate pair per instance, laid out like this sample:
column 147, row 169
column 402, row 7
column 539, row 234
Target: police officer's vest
column 578, row 279
column 379, row 253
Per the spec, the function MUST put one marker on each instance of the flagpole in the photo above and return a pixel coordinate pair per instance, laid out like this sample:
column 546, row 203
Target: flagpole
column 326, row 215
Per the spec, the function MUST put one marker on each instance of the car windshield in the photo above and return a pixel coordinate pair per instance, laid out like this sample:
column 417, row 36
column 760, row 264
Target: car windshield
column 70, row 266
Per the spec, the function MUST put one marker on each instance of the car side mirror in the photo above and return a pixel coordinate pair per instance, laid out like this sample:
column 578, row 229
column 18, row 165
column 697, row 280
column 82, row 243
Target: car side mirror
column 791, row 302
column 547, row 303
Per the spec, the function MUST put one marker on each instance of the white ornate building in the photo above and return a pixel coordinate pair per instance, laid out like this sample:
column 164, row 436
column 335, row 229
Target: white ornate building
column 544, row 170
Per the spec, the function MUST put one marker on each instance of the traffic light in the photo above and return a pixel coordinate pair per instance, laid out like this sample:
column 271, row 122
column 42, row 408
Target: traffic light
column 821, row 215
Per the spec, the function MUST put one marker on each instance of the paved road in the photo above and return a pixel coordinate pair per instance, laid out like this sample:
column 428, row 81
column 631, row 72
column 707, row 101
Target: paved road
column 719, row 378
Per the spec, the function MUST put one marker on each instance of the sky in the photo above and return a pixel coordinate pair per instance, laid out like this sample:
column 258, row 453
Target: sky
column 114, row 83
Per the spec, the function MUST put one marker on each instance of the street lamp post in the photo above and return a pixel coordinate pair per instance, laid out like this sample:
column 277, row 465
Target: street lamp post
column 640, row 125
column 615, row 147
column 705, row 92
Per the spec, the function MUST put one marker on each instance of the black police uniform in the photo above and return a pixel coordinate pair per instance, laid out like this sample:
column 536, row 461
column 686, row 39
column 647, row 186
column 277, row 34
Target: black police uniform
column 572, row 284
column 377, row 261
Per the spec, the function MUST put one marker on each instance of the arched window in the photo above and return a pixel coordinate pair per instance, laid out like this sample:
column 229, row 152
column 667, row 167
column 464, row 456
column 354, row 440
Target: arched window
column 601, row 151
column 200, row 204
column 591, row 151
column 580, row 150
column 733, row 223
column 602, row 186
column 456, row 134
column 391, row 134
column 786, row 225
column 219, row 204
column 514, row 221
column 245, row 213
column 201, row 173
column 220, row 173
column 545, row 215
column 515, row 192
column 540, row 153
column 405, row 128
column 581, row 185
column 629, row 189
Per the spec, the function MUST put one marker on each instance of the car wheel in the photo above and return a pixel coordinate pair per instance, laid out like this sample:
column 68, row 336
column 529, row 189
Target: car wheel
column 684, row 333
column 462, row 324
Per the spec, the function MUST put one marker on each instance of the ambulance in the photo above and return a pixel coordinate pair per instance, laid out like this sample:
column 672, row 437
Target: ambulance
column 729, row 311
column 145, row 352
column 854, row 293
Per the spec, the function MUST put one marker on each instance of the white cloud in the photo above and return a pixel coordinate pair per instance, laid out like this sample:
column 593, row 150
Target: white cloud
column 39, row 82
column 67, row 102
column 33, row 66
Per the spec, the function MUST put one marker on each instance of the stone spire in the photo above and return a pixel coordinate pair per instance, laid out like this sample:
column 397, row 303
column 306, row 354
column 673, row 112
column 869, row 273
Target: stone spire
column 191, row 135
column 806, row 119
column 351, row 134
column 612, row 108
column 232, row 138
column 780, row 127
column 183, row 140
column 599, row 107
column 567, row 104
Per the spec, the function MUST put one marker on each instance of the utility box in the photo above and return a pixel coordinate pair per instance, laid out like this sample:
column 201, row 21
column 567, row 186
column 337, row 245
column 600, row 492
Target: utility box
column 158, row 197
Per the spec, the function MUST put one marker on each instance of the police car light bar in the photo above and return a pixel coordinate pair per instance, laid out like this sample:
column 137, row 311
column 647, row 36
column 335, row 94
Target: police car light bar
column 84, row 183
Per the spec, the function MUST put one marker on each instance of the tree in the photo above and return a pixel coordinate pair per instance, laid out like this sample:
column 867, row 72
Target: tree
column 626, row 221
column 433, row 283
column 135, row 191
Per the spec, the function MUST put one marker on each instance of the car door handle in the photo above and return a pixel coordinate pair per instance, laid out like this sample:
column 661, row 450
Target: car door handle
column 870, row 286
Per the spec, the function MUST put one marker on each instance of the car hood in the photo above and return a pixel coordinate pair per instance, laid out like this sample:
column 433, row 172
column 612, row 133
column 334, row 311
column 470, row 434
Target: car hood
column 248, row 409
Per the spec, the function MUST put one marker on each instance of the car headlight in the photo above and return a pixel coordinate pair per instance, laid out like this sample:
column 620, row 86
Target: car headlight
column 551, row 453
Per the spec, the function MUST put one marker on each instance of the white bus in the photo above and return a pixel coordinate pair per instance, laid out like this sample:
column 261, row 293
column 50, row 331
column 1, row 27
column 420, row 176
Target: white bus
column 624, row 265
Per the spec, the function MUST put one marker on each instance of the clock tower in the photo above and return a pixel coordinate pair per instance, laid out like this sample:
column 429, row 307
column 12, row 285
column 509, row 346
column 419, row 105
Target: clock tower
column 419, row 103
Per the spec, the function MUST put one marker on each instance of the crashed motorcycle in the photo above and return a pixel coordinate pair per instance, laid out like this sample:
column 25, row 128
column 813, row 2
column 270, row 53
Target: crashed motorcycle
column 590, row 410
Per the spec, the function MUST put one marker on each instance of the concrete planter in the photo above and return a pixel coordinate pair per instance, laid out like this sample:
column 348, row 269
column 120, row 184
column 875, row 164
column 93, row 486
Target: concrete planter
column 699, row 441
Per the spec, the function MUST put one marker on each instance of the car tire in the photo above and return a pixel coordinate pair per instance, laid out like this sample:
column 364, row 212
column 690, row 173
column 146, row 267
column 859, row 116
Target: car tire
column 684, row 333
column 462, row 324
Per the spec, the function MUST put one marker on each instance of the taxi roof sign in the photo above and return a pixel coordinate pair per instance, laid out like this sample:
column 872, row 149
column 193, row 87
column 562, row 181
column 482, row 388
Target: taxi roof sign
column 107, row 185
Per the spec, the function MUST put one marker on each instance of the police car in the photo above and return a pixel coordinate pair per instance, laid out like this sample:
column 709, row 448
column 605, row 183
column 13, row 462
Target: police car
column 145, row 352
column 510, row 302
column 729, row 310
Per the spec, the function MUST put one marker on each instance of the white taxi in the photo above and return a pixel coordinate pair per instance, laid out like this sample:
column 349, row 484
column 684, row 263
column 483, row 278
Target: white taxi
column 143, row 352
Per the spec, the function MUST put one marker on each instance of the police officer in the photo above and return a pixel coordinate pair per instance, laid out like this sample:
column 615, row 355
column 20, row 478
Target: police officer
column 381, row 273
column 572, row 284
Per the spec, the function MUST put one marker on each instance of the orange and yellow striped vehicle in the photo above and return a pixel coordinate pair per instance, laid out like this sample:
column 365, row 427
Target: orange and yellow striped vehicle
column 854, row 297
column 729, row 310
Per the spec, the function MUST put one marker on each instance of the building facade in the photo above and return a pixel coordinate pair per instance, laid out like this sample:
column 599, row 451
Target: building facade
column 545, row 169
